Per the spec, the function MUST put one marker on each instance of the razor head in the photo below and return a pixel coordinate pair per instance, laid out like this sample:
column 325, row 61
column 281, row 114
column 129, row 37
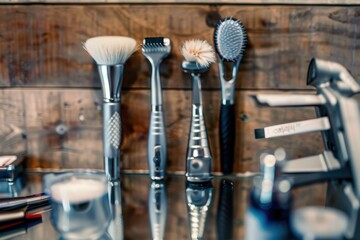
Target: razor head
column 156, row 45
column 193, row 67
column 156, row 42
column 230, row 39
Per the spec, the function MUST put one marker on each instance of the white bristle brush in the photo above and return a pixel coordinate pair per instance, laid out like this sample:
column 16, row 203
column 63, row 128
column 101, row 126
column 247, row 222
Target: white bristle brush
column 111, row 53
column 198, row 56
column 198, row 51
column 110, row 50
column 230, row 40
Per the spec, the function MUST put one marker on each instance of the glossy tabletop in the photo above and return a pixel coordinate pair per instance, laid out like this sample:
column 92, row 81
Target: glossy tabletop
column 177, row 209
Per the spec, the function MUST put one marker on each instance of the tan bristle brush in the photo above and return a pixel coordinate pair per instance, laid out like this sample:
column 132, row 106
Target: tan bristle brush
column 198, row 56
column 111, row 53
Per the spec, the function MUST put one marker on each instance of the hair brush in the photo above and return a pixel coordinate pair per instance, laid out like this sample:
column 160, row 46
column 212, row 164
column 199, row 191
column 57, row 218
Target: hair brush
column 230, row 41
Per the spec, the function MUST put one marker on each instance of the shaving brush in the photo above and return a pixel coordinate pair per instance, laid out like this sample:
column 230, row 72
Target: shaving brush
column 110, row 53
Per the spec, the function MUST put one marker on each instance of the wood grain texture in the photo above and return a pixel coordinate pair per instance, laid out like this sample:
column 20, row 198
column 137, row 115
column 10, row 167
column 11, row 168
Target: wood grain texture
column 12, row 122
column 287, row 2
column 41, row 44
column 63, row 128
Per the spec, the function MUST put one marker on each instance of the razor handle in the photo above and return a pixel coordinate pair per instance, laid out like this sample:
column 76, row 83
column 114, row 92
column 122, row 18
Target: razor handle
column 111, row 139
column 227, row 137
column 157, row 144
column 199, row 159
column 157, row 204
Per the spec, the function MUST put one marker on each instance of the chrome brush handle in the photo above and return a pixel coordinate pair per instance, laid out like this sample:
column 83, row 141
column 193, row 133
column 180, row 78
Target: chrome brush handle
column 111, row 81
column 111, row 139
column 157, row 144
column 199, row 159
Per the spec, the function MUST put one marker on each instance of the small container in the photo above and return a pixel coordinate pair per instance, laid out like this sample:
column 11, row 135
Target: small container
column 269, row 220
column 80, row 204
column 319, row 223
column 10, row 167
column 268, row 214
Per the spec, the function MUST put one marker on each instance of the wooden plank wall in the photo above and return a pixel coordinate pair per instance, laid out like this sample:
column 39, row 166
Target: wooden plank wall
column 50, row 104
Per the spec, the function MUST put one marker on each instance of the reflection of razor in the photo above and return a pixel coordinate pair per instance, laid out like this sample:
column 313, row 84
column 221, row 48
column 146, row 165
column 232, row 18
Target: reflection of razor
column 157, row 209
column 198, row 200
column 340, row 160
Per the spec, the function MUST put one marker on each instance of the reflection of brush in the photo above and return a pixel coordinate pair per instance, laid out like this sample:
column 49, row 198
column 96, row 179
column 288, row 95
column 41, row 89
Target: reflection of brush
column 110, row 53
column 230, row 42
column 198, row 56
column 224, row 216
column 155, row 50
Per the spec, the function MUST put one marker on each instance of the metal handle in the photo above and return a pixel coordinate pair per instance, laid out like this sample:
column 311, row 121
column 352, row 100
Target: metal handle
column 199, row 159
column 228, row 86
column 289, row 100
column 313, row 125
column 157, row 154
column 323, row 162
column 111, row 139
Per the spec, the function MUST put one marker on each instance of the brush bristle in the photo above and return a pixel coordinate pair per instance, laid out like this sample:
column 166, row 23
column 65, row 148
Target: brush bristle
column 230, row 39
column 110, row 50
column 198, row 51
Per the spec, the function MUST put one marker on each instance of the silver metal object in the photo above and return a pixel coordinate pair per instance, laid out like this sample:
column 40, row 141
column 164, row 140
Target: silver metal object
column 289, row 100
column 199, row 159
column 157, row 209
column 111, row 80
column 116, row 226
column 307, row 126
column 343, row 197
column 341, row 160
column 323, row 162
column 155, row 50
column 228, row 86
column 198, row 200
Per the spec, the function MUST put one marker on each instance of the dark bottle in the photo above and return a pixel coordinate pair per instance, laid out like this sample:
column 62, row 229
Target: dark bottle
column 268, row 214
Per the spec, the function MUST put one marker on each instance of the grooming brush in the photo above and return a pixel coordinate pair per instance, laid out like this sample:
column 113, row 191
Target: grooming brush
column 110, row 53
column 155, row 50
column 230, row 41
column 198, row 56
column 157, row 209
